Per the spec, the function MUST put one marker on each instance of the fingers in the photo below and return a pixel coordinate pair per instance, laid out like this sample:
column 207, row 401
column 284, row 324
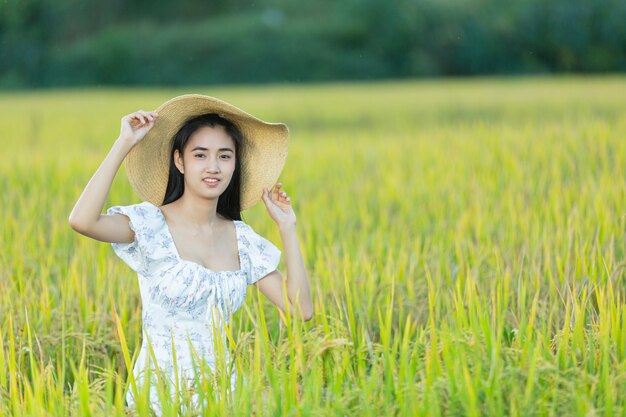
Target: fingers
column 283, row 195
column 279, row 196
column 141, row 118
column 274, row 192
column 266, row 196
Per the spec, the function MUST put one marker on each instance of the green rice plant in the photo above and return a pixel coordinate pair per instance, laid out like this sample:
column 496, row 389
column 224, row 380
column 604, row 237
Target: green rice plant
column 464, row 241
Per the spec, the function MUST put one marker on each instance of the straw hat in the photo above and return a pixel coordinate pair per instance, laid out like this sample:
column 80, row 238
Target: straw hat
column 262, row 155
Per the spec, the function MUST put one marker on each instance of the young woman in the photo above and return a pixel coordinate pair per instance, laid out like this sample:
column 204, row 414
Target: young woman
column 196, row 162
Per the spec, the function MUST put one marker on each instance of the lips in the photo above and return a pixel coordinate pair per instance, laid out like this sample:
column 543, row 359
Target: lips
column 211, row 181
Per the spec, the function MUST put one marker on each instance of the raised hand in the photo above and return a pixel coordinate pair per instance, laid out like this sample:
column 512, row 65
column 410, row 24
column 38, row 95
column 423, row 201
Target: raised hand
column 136, row 125
column 278, row 205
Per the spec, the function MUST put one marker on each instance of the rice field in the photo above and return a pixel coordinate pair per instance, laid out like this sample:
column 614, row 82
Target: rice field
column 465, row 242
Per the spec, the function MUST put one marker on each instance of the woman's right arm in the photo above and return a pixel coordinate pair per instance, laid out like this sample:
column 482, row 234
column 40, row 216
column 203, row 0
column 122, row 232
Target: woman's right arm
column 86, row 217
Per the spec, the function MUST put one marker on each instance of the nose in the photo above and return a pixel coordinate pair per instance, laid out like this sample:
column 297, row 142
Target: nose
column 213, row 165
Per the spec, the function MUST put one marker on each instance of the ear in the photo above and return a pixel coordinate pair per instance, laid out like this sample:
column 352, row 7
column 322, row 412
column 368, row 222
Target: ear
column 178, row 161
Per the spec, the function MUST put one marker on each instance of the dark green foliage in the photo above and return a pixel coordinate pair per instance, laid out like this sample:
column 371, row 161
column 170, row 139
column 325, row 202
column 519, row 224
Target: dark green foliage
column 85, row 42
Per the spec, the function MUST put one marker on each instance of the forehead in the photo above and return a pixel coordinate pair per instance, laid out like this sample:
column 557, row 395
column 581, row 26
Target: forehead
column 210, row 137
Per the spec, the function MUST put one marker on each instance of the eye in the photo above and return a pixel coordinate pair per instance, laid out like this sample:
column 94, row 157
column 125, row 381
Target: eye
column 199, row 155
column 225, row 156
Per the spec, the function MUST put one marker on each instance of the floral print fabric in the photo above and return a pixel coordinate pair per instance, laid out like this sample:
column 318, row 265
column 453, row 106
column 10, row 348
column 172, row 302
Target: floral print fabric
column 185, row 304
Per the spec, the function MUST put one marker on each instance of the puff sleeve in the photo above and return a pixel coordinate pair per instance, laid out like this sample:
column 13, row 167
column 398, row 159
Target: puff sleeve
column 132, row 253
column 262, row 256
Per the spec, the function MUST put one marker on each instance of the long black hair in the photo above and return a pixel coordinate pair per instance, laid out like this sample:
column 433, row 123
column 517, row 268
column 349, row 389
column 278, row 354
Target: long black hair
column 229, row 203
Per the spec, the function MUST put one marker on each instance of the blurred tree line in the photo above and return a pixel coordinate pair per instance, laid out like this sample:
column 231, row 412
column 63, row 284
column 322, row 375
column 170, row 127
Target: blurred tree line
column 93, row 42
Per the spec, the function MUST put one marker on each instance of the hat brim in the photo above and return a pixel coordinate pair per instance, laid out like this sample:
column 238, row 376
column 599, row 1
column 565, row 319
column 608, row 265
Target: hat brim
column 262, row 156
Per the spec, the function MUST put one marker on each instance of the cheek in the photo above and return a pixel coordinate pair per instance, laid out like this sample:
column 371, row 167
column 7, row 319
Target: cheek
column 194, row 162
column 230, row 166
column 191, row 165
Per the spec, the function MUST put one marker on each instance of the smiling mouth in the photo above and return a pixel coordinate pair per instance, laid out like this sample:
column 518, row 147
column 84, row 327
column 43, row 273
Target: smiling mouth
column 211, row 182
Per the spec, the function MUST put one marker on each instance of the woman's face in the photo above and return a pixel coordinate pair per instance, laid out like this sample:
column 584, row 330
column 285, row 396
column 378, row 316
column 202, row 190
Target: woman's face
column 208, row 161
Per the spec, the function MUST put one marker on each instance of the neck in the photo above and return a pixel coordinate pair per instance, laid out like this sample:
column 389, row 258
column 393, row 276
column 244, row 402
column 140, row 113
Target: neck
column 197, row 211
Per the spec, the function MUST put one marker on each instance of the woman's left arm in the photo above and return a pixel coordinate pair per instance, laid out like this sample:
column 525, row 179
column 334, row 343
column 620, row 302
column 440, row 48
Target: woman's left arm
column 278, row 205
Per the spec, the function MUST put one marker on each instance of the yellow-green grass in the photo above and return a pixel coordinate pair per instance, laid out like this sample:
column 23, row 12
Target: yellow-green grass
column 465, row 242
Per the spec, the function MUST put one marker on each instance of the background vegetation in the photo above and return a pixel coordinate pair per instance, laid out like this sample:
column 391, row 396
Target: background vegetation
column 465, row 242
column 47, row 43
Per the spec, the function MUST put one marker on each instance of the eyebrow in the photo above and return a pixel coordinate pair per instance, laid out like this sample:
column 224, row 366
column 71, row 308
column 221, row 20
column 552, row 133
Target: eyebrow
column 200, row 148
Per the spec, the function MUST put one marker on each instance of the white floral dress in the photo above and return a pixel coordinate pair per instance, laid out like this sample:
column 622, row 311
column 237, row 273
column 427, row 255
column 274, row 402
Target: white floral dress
column 183, row 301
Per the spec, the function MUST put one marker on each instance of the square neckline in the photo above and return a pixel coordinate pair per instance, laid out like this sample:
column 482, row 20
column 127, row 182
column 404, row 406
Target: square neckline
column 177, row 254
